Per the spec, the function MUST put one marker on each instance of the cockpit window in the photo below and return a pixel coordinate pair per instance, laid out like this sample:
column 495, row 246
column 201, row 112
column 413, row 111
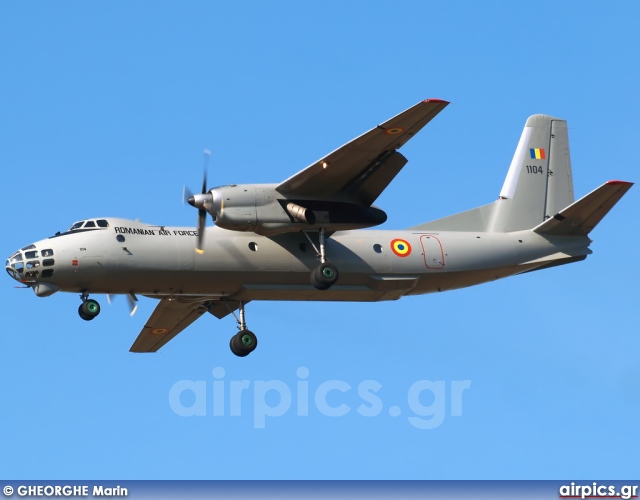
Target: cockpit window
column 29, row 247
column 31, row 255
column 89, row 223
column 47, row 252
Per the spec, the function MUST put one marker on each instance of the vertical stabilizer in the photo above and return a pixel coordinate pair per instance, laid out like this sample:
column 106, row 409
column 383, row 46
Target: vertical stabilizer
column 539, row 182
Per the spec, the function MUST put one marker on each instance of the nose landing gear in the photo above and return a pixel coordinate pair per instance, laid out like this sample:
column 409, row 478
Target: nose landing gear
column 89, row 308
column 245, row 341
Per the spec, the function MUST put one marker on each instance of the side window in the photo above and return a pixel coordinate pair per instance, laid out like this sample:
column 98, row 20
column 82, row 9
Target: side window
column 102, row 223
column 90, row 223
column 31, row 255
column 47, row 253
column 48, row 262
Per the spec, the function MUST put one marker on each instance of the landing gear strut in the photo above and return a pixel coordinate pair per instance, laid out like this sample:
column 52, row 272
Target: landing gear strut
column 89, row 308
column 325, row 274
column 245, row 341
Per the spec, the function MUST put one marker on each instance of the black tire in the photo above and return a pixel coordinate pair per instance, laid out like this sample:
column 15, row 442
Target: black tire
column 235, row 349
column 83, row 315
column 243, row 343
column 89, row 309
column 324, row 276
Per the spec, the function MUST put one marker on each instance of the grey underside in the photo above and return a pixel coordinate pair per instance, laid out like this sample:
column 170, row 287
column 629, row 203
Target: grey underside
column 279, row 268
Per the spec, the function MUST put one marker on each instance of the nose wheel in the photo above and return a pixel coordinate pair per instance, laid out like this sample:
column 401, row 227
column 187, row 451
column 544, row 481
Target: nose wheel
column 245, row 341
column 325, row 274
column 89, row 308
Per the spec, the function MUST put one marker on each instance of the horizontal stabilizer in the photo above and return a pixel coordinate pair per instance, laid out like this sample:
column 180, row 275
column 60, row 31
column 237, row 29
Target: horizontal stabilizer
column 579, row 218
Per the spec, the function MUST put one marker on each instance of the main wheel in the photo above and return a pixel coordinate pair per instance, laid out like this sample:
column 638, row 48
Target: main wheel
column 83, row 315
column 243, row 343
column 323, row 276
column 89, row 309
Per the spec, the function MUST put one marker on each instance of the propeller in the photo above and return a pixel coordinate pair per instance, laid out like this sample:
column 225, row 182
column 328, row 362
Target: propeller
column 203, row 202
column 131, row 299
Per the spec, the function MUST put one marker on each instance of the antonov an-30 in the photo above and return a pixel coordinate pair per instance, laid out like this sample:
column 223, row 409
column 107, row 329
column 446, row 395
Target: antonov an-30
column 304, row 239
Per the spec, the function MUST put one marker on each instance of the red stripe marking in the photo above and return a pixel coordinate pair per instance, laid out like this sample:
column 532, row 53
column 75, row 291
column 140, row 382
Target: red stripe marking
column 620, row 182
column 436, row 100
column 542, row 157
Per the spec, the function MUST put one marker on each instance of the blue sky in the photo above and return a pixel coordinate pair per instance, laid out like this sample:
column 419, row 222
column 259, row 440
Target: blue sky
column 105, row 110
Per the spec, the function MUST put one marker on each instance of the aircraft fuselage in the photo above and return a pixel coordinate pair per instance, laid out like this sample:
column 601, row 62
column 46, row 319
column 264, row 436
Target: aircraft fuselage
column 132, row 257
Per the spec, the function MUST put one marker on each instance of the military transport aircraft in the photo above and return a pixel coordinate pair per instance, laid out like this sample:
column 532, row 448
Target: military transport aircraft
column 304, row 239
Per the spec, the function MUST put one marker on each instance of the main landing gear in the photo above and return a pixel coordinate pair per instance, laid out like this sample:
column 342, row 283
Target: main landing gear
column 245, row 341
column 89, row 308
column 325, row 274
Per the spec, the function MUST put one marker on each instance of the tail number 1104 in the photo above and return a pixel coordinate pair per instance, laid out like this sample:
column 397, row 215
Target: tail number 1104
column 534, row 169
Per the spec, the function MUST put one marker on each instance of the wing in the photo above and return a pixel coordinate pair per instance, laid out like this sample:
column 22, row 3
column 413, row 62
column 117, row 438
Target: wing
column 361, row 169
column 169, row 318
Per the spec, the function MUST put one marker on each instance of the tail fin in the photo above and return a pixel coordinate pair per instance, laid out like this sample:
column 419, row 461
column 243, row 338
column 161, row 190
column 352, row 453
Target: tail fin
column 538, row 190
column 539, row 183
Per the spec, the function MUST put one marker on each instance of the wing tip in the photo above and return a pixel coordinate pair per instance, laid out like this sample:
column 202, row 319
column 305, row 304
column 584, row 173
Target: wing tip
column 620, row 182
column 435, row 99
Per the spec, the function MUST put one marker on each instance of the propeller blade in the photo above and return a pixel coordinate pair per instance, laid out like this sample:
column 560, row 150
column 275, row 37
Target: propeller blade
column 186, row 194
column 131, row 299
column 207, row 156
column 133, row 303
column 202, row 220
column 202, row 213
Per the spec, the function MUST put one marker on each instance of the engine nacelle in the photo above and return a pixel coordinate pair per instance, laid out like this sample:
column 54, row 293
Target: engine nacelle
column 235, row 207
column 261, row 209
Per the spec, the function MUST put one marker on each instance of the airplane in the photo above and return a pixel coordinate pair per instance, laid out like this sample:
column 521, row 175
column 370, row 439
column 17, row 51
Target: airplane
column 306, row 238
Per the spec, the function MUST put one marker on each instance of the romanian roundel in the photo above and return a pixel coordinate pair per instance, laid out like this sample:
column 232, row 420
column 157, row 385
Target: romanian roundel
column 401, row 248
column 394, row 131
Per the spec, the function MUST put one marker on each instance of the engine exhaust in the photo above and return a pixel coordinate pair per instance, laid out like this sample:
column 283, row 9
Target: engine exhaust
column 300, row 213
